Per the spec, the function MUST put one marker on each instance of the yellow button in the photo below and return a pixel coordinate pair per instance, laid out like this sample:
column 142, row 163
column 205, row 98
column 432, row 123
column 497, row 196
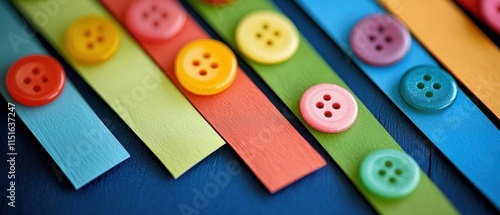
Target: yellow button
column 205, row 67
column 92, row 40
column 267, row 37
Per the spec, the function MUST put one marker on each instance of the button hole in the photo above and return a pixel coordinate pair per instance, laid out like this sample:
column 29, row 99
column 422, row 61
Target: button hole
column 328, row 114
column 145, row 15
column 153, row 7
column 429, row 94
column 392, row 180
column 90, row 46
column 436, row 86
column 378, row 48
column 258, row 35
column 196, row 63
column 214, row 65
column 388, row 164
column 86, row 34
column 100, row 28
column 427, row 77
column 156, row 24
column 27, row 80
column 36, row 71
column 327, row 97
column 100, row 39
column 372, row 38
column 420, row 85
column 336, row 106
column 203, row 72
column 206, row 55
column 36, row 88
column 164, row 15
column 498, row 8
column 380, row 29
column 269, row 43
column 399, row 171
column 388, row 39
column 265, row 26
column 381, row 172
column 320, row 105
column 45, row 79
column 277, row 33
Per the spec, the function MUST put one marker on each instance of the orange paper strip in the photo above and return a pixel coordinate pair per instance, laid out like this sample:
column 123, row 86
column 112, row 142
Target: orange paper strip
column 456, row 42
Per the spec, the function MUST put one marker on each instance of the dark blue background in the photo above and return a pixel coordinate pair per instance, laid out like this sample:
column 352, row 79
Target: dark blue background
column 142, row 185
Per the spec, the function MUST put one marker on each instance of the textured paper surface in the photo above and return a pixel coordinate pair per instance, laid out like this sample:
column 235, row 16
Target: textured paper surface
column 306, row 68
column 462, row 132
column 67, row 128
column 132, row 84
column 456, row 42
column 241, row 114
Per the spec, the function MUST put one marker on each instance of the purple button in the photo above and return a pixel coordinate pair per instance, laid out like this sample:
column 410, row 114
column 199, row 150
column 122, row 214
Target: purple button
column 380, row 40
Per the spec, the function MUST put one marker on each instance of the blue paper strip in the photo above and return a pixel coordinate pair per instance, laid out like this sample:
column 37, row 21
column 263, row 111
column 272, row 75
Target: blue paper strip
column 67, row 128
column 462, row 132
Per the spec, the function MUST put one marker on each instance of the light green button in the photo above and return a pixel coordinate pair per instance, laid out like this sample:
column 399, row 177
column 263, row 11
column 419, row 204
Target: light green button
column 389, row 173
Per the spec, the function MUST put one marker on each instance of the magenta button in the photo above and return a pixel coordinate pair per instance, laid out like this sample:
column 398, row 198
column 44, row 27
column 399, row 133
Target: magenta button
column 328, row 108
column 380, row 40
column 490, row 10
column 153, row 20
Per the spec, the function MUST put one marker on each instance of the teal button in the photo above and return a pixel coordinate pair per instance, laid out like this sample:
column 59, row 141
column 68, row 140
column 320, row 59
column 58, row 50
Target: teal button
column 428, row 88
column 389, row 173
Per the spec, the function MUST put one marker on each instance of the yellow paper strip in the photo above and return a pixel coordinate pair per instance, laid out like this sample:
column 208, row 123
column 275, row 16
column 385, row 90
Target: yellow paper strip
column 134, row 86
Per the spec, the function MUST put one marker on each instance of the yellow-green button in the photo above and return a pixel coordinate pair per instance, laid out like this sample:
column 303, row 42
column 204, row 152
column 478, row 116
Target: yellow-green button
column 389, row 173
column 267, row 37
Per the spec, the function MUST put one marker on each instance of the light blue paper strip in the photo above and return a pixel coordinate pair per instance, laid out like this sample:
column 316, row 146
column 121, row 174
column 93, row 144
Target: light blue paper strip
column 67, row 128
column 462, row 132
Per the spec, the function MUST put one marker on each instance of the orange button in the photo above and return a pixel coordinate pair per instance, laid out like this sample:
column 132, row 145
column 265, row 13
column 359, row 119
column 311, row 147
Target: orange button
column 92, row 40
column 35, row 80
column 205, row 67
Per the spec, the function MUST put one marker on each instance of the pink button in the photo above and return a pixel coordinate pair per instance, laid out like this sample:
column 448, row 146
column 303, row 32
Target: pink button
column 328, row 108
column 380, row 40
column 153, row 20
column 490, row 10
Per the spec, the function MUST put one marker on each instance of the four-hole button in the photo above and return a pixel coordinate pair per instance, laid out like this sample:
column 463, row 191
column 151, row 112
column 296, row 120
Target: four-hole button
column 380, row 40
column 92, row 40
column 35, row 80
column 205, row 67
column 267, row 37
column 328, row 108
column 389, row 173
column 428, row 88
column 153, row 20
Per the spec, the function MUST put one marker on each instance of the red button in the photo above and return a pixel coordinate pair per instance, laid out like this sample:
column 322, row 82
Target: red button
column 35, row 80
column 153, row 20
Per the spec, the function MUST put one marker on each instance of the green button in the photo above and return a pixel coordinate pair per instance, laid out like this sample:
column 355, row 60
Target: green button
column 389, row 173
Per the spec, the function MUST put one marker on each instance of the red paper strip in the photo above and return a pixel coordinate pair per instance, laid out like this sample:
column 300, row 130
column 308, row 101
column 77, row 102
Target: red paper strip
column 243, row 116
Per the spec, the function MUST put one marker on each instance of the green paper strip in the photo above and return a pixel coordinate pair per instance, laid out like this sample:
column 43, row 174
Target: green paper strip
column 289, row 80
column 133, row 85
